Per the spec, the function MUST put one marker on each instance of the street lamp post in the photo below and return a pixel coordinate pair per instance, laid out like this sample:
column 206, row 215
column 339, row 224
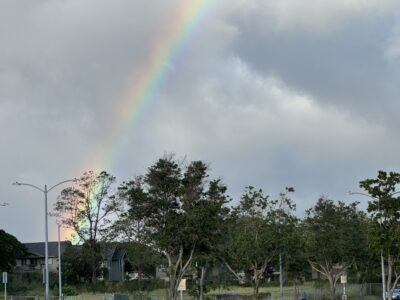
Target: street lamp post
column 380, row 221
column 59, row 263
column 45, row 191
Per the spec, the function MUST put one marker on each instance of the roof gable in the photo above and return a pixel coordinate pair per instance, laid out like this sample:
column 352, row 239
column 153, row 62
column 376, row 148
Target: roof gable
column 38, row 249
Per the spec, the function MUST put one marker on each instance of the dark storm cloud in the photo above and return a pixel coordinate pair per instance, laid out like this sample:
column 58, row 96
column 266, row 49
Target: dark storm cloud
column 270, row 93
column 346, row 68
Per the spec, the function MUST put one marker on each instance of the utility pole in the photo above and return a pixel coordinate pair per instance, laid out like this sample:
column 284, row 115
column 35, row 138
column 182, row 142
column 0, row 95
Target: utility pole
column 60, row 295
column 46, row 247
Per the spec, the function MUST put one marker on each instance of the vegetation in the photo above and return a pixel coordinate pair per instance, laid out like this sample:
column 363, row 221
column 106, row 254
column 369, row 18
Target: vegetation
column 9, row 249
column 173, row 210
column 84, row 208
column 258, row 231
column 385, row 234
column 335, row 236
column 175, row 216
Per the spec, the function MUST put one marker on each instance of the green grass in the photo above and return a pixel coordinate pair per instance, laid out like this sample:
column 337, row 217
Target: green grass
column 313, row 293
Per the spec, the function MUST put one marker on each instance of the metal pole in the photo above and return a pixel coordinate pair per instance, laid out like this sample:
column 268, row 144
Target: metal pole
column 46, row 246
column 59, row 264
column 344, row 292
column 382, row 260
column 45, row 191
column 280, row 276
column 5, row 279
column 383, row 277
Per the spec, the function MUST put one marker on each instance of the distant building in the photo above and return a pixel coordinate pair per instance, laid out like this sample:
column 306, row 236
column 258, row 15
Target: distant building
column 34, row 259
column 114, row 260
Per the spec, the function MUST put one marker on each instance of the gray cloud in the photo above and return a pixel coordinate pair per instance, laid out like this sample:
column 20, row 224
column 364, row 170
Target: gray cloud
column 271, row 94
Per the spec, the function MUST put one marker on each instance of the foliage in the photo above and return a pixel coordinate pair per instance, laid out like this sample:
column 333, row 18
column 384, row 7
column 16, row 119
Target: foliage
column 68, row 290
column 85, row 209
column 10, row 247
column 143, row 259
column 75, row 263
column 208, row 215
column 259, row 229
column 173, row 210
column 385, row 209
column 335, row 235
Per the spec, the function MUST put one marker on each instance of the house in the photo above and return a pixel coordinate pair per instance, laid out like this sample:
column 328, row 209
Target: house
column 34, row 259
column 114, row 261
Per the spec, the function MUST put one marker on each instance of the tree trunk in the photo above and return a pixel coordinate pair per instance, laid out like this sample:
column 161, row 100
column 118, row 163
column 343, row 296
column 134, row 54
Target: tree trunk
column 172, row 289
column 390, row 272
column 327, row 272
column 177, row 270
column 256, row 284
column 172, row 279
column 140, row 274
column 389, row 278
column 93, row 266
column 201, row 283
column 332, row 284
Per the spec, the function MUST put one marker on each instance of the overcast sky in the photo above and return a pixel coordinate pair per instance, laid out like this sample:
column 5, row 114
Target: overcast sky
column 300, row 93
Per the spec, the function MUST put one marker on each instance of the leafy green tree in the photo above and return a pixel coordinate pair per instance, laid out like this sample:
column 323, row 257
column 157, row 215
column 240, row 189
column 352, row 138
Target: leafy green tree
column 257, row 233
column 291, row 238
column 208, row 216
column 143, row 259
column 76, row 264
column 294, row 259
column 166, row 210
column 130, row 227
column 85, row 209
column 9, row 248
column 335, row 235
column 385, row 209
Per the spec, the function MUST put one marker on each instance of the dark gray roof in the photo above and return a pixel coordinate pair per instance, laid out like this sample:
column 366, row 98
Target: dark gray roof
column 38, row 248
column 118, row 255
column 112, row 253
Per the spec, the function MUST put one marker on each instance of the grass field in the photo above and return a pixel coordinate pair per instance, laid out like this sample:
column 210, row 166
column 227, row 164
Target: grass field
column 290, row 293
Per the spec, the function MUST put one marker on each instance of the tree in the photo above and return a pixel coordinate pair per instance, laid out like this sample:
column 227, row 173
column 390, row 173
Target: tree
column 335, row 235
column 208, row 216
column 9, row 248
column 385, row 209
column 166, row 211
column 130, row 226
column 85, row 209
column 290, row 241
column 257, row 226
column 76, row 264
column 143, row 259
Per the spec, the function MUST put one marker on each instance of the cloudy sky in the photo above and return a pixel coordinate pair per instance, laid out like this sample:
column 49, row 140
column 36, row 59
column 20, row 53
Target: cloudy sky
column 300, row 93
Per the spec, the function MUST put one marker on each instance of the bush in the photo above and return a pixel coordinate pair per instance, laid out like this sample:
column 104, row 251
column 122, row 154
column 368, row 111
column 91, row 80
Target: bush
column 69, row 291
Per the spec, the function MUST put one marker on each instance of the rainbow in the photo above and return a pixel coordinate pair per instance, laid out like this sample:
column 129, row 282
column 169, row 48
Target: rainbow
column 147, row 81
